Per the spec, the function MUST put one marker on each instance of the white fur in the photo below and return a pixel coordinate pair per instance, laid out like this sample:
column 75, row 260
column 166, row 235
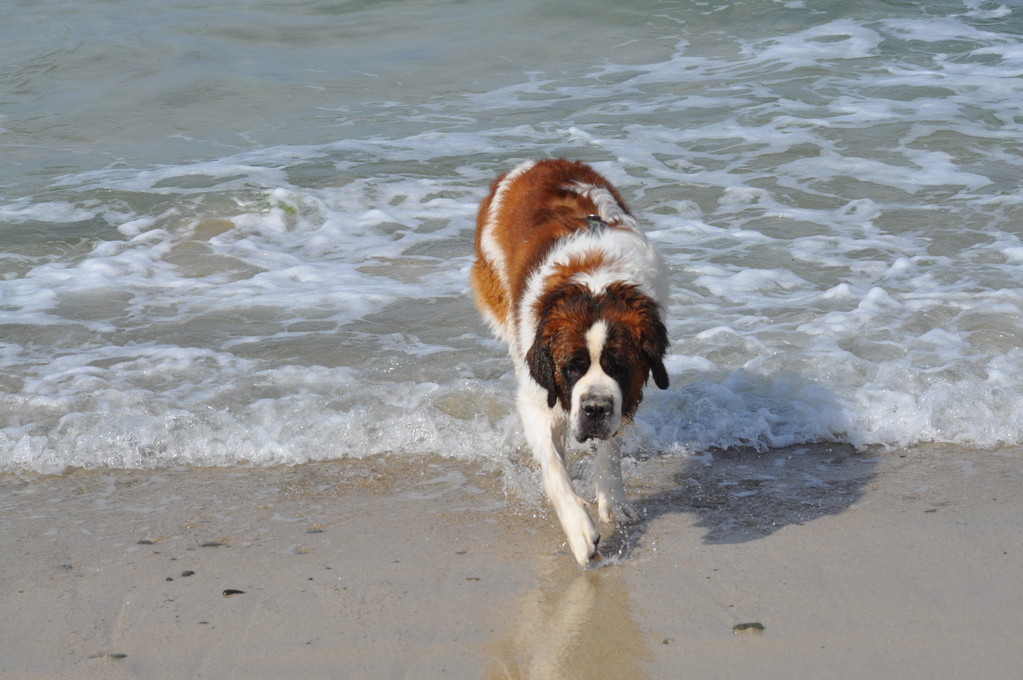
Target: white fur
column 595, row 382
column 545, row 430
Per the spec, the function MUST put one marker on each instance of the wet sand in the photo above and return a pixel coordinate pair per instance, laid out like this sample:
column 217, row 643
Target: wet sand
column 894, row 564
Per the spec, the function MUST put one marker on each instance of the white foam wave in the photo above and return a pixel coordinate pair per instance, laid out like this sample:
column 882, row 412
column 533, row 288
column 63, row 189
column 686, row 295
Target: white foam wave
column 837, row 203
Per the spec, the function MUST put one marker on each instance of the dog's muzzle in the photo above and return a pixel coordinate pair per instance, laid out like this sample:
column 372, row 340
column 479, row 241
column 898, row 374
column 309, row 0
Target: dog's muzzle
column 596, row 418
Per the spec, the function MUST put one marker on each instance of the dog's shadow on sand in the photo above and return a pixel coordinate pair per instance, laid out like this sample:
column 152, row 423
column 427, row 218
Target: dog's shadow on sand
column 743, row 494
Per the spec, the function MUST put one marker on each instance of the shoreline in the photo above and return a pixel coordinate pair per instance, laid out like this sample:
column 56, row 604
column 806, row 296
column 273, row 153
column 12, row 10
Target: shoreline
column 901, row 564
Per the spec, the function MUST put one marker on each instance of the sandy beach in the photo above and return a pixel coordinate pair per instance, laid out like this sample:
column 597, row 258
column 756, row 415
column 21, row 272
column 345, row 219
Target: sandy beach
column 899, row 564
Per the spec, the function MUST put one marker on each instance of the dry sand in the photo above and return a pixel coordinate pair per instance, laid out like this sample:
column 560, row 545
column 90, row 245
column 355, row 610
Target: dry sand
column 892, row 565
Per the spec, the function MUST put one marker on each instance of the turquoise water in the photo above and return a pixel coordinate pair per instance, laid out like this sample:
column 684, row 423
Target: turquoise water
column 241, row 233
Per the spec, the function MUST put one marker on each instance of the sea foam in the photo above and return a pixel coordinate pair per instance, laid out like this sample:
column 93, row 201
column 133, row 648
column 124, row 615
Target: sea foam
column 835, row 197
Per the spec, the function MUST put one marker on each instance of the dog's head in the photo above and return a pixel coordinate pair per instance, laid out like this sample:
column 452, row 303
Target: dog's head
column 594, row 352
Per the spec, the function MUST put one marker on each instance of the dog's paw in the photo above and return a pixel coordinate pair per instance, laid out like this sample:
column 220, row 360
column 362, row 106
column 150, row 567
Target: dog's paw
column 584, row 547
column 612, row 508
column 581, row 533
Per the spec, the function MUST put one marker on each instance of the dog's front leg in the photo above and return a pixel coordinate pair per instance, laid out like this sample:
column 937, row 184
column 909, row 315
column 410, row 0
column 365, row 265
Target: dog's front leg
column 546, row 439
column 579, row 529
column 612, row 505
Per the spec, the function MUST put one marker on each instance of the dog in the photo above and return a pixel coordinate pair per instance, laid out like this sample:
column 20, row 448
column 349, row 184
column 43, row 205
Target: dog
column 564, row 276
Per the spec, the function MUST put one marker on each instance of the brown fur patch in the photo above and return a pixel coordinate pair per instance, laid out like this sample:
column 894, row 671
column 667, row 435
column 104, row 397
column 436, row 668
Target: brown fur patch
column 537, row 212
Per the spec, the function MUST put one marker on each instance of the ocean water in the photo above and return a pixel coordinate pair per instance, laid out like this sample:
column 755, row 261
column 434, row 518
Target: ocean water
column 239, row 233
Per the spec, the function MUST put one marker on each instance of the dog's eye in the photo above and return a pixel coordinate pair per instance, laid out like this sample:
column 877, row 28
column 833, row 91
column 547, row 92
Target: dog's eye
column 613, row 365
column 573, row 370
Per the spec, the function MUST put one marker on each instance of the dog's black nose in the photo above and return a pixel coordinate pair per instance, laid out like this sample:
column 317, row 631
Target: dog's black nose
column 596, row 408
column 596, row 416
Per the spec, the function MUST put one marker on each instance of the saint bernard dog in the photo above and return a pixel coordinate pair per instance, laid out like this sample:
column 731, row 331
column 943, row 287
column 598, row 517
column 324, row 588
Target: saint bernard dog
column 566, row 278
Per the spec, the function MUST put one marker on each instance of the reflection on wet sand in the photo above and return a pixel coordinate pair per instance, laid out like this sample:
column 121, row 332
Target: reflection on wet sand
column 575, row 624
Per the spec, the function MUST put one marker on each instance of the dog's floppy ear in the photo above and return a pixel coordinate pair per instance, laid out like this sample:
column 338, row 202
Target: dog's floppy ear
column 658, row 371
column 541, row 367
column 655, row 345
